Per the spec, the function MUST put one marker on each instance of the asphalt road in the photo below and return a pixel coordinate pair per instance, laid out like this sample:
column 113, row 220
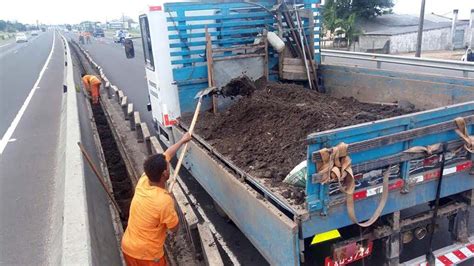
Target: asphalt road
column 28, row 214
column 20, row 65
column 127, row 74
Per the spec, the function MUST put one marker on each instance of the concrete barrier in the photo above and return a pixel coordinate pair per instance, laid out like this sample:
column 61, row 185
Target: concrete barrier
column 138, row 127
column 123, row 105
column 129, row 112
column 146, row 137
column 211, row 254
column 107, row 88
column 154, row 145
column 119, row 96
column 76, row 242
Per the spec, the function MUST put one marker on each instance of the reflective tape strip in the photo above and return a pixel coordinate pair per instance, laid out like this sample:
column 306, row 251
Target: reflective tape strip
column 460, row 255
column 466, row 252
column 435, row 173
column 377, row 190
column 453, row 258
column 444, row 260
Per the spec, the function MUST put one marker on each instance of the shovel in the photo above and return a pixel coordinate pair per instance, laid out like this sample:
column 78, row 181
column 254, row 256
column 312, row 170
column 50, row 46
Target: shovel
column 199, row 96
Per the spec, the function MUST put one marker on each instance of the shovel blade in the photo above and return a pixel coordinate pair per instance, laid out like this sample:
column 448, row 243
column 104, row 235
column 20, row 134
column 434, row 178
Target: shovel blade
column 205, row 92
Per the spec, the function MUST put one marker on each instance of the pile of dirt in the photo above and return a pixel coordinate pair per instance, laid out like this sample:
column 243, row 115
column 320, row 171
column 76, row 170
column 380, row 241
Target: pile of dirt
column 265, row 133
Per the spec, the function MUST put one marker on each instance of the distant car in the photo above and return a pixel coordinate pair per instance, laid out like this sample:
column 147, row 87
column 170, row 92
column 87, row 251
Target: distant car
column 34, row 33
column 468, row 56
column 21, row 37
column 121, row 34
column 98, row 32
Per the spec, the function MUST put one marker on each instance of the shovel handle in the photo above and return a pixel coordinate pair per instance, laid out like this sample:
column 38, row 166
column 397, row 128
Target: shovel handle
column 185, row 148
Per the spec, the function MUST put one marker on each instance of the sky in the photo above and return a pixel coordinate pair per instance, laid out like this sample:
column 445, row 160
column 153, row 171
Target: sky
column 72, row 12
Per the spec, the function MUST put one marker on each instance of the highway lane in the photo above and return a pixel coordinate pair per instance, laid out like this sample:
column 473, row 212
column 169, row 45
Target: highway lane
column 14, row 47
column 127, row 74
column 30, row 219
column 20, row 64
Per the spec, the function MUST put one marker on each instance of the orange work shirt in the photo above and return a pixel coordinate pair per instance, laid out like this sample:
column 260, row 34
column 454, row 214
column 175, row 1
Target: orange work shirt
column 90, row 80
column 152, row 213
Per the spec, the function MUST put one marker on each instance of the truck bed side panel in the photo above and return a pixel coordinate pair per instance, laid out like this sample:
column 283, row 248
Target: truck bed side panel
column 271, row 232
column 372, row 85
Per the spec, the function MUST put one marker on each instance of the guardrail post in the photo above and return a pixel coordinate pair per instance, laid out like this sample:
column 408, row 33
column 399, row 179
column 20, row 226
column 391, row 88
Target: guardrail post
column 138, row 126
column 129, row 113
column 146, row 137
column 123, row 104
column 154, row 145
column 119, row 96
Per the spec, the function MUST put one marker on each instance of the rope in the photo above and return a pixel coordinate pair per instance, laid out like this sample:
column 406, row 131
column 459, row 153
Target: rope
column 336, row 167
column 462, row 132
column 429, row 150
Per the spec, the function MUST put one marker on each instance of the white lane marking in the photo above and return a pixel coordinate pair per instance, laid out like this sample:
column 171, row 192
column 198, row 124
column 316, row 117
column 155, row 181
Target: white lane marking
column 12, row 140
column 6, row 44
column 6, row 137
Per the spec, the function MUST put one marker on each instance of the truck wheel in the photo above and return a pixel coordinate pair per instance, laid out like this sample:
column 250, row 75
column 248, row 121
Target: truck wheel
column 220, row 211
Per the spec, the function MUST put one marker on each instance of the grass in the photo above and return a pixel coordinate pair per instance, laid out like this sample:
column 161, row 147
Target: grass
column 6, row 37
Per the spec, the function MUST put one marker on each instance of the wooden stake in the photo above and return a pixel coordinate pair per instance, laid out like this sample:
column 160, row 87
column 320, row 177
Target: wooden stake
column 210, row 72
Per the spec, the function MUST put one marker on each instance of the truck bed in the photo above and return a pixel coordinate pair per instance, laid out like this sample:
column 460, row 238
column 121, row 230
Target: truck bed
column 264, row 135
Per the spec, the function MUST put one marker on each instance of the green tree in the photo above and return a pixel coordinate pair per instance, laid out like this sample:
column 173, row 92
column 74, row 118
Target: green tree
column 362, row 8
column 329, row 16
column 348, row 27
column 371, row 8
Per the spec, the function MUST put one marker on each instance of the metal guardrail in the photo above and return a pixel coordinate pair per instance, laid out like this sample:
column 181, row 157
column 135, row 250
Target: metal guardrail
column 381, row 61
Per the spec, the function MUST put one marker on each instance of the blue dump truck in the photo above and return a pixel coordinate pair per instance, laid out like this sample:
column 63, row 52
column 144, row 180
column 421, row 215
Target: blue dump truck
column 419, row 163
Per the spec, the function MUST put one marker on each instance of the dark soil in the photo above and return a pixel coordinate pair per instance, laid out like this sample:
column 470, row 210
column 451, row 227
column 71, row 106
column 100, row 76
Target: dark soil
column 121, row 184
column 265, row 133
column 239, row 86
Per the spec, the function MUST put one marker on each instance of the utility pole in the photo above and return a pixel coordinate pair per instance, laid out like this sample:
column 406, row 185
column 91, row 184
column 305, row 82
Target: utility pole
column 420, row 29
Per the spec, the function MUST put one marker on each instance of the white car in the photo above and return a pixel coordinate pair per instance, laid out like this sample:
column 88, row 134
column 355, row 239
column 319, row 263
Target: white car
column 34, row 33
column 21, row 37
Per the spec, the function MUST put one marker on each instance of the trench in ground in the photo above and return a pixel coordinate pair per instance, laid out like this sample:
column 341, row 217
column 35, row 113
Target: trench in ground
column 121, row 183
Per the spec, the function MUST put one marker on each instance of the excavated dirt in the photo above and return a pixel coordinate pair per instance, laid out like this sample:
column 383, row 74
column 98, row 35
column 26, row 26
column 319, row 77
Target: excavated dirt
column 121, row 184
column 265, row 133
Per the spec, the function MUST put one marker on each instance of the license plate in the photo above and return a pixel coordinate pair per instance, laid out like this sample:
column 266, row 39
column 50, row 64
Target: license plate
column 349, row 253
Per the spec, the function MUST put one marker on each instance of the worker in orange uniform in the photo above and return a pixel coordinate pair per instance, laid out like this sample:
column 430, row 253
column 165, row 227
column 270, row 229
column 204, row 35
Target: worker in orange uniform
column 152, row 212
column 92, row 85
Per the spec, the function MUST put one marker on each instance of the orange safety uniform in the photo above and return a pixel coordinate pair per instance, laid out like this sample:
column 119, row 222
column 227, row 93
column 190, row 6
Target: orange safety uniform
column 92, row 85
column 152, row 213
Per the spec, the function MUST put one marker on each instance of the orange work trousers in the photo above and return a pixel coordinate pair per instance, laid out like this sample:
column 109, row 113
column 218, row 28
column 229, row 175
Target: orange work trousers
column 130, row 261
column 95, row 87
